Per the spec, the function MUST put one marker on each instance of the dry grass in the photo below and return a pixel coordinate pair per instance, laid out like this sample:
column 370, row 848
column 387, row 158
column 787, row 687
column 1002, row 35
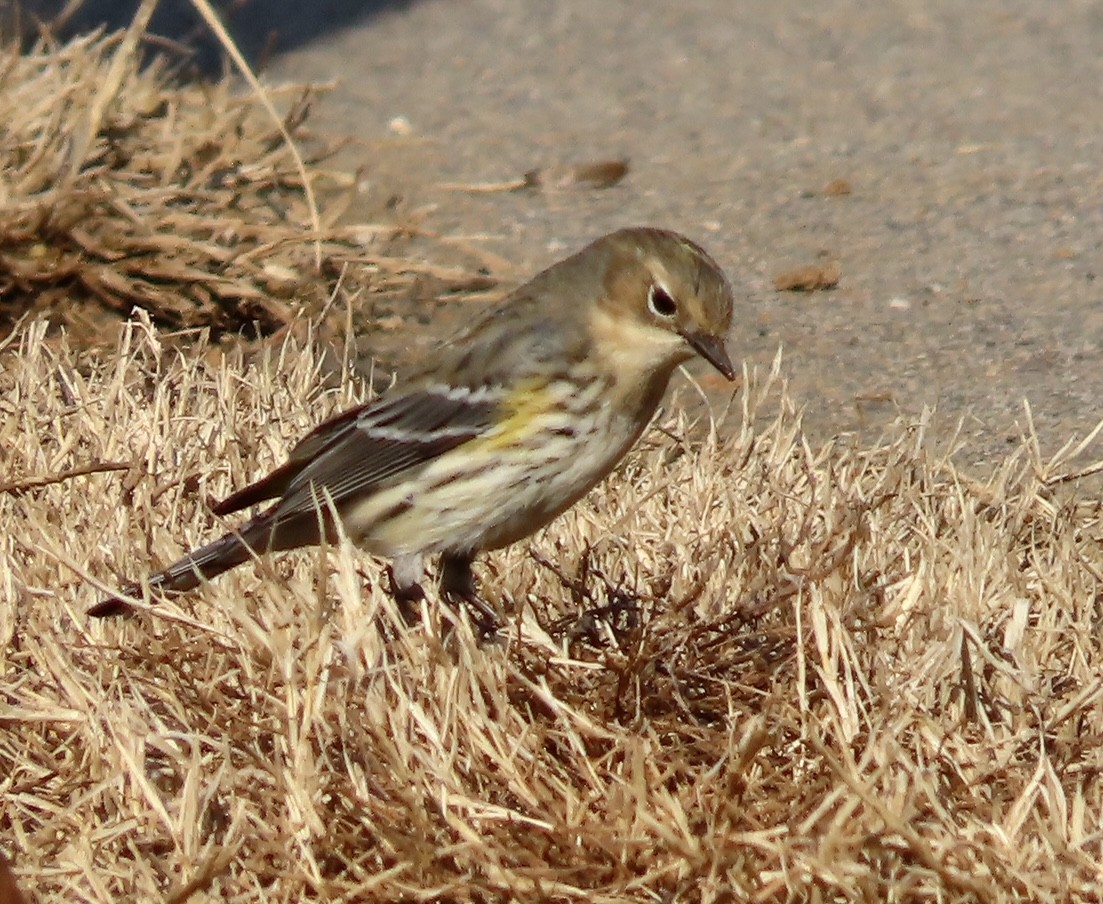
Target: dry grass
column 743, row 669
column 121, row 200
column 121, row 187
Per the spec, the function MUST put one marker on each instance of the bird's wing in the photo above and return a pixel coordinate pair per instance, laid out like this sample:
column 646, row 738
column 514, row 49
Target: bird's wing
column 324, row 436
column 359, row 449
column 368, row 444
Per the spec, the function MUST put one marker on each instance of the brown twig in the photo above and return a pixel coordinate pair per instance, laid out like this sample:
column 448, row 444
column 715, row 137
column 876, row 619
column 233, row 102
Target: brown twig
column 34, row 483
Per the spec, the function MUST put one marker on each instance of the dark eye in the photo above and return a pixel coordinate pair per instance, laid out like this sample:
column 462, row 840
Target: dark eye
column 660, row 302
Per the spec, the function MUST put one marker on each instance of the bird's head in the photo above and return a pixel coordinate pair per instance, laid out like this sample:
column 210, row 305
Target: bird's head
column 664, row 301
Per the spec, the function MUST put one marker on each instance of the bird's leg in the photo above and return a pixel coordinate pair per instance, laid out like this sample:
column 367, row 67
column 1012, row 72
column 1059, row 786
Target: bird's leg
column 404, row 575
column 458, row 583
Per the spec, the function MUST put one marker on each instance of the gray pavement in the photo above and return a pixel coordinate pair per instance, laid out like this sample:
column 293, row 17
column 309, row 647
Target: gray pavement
column 971, row 133
column 971, row 245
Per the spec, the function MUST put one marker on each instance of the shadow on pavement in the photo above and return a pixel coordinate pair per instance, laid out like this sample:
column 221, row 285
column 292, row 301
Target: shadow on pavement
column 260, row 27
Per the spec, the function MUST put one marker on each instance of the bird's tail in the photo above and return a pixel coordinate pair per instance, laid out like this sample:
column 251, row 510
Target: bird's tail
column 188, row 573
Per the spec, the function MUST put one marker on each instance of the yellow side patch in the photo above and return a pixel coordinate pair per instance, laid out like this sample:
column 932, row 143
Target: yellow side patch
column 522, row 408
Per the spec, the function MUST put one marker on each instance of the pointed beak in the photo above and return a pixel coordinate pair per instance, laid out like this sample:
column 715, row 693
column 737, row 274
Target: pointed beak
column 712, row 349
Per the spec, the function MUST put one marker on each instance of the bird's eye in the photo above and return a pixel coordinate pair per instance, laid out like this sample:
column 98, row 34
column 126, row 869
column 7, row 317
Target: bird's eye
column 660, row 303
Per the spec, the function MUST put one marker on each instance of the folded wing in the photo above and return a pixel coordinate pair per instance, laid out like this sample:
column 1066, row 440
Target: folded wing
column 360, row 449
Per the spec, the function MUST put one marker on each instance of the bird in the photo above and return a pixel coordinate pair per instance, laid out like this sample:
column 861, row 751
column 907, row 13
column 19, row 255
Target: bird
column 506, row 426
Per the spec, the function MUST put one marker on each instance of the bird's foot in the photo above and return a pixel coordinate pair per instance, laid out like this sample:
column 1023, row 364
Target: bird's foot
column 457, row 585
column 407, row 596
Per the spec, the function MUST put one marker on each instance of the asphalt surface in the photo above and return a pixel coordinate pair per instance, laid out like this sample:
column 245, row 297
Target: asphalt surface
column 970, row 134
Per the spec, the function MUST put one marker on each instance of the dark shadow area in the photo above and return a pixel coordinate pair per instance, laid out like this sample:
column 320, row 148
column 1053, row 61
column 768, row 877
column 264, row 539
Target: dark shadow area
column 261, row 28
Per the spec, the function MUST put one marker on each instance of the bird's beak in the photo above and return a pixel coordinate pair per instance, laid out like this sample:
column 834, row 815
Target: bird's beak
column 712, row 349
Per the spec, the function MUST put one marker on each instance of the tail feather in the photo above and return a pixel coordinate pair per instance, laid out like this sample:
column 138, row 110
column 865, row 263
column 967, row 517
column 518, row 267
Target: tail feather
column 202, row 564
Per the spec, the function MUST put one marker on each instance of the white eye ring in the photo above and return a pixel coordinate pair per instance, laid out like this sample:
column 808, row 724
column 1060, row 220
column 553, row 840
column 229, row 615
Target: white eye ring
column 661, row 303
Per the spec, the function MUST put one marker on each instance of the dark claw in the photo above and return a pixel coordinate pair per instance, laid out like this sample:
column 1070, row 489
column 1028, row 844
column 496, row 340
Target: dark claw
column 457, row 583
column 407, row 597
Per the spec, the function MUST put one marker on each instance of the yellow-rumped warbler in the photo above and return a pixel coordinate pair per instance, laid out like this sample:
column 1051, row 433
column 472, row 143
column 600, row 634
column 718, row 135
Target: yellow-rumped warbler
column 515, row 420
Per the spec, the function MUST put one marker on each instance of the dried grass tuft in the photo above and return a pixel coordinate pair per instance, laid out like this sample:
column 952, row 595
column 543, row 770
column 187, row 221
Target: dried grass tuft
column 742, row 669
column 121, row 187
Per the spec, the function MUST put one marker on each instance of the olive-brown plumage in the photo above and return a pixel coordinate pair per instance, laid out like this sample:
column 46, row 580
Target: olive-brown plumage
column 512, row 422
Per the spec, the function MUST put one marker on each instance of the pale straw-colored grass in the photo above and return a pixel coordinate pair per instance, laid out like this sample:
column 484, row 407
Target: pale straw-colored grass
column 122, row 188
column 742, row 669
